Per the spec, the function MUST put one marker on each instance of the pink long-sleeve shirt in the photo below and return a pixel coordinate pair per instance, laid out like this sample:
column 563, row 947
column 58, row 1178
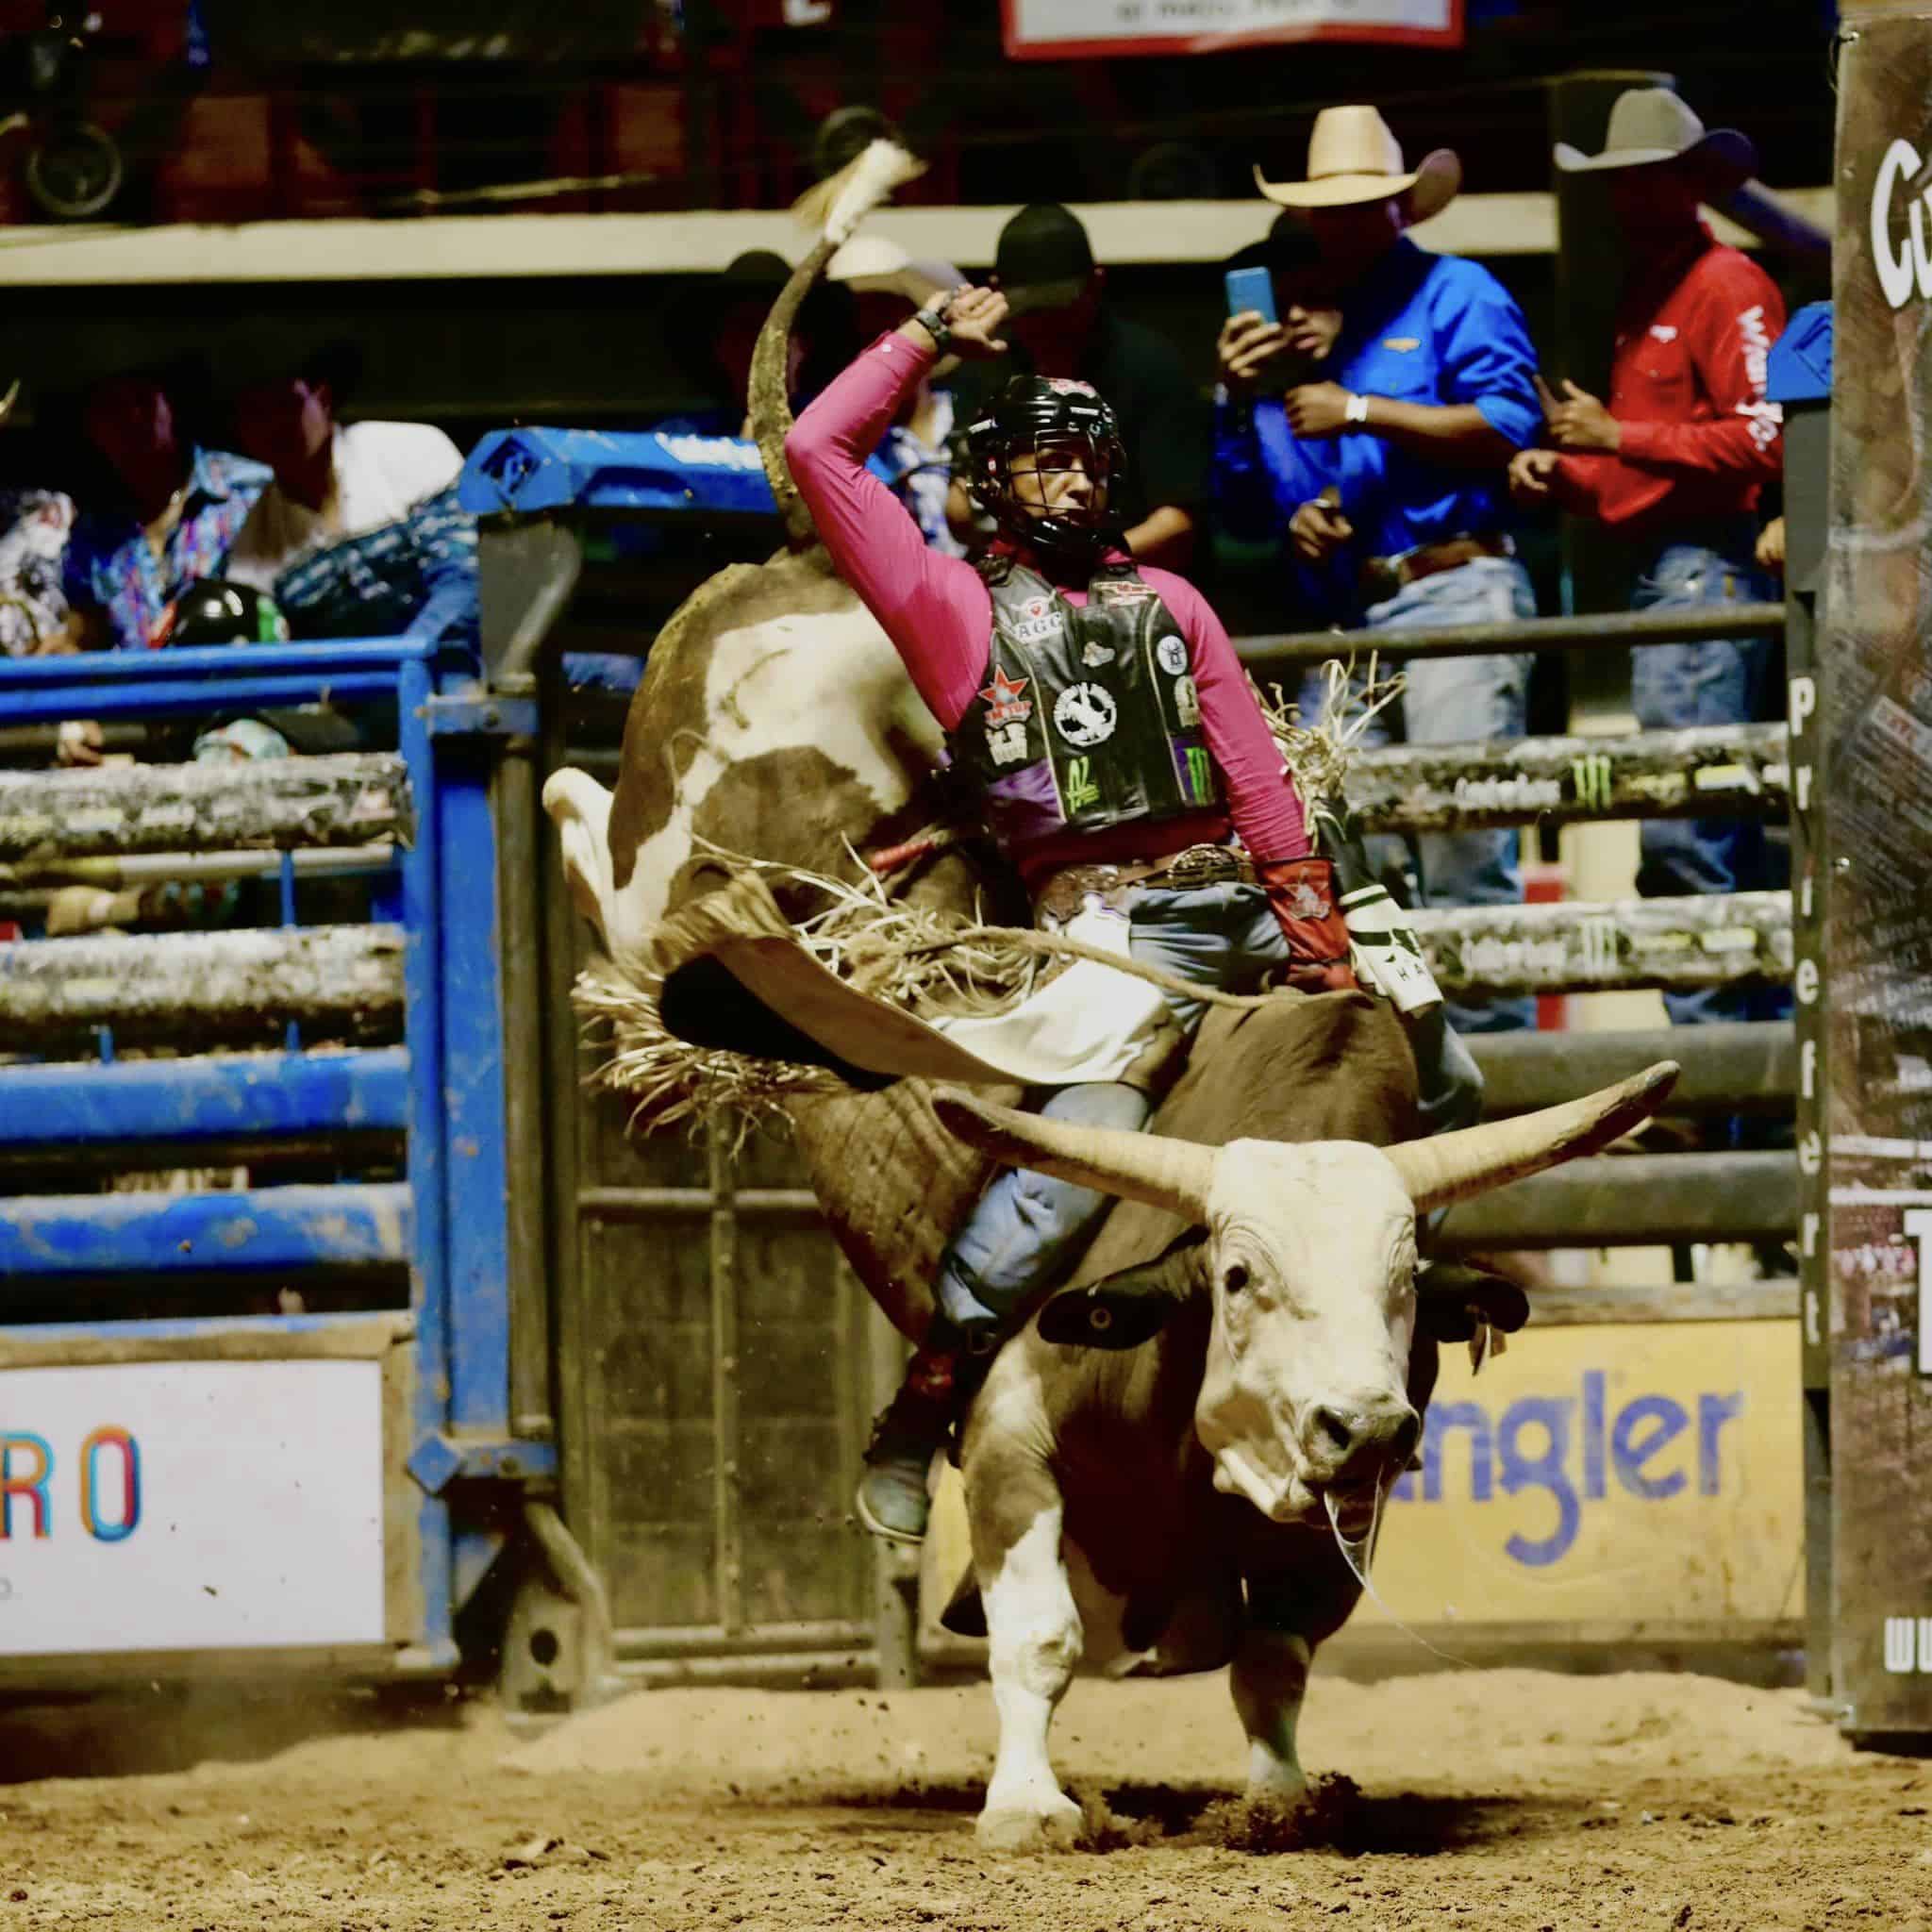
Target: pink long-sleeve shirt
column 939, row 614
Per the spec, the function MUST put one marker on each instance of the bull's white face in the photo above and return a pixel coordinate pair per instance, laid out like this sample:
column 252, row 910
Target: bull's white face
column 1305, row 1395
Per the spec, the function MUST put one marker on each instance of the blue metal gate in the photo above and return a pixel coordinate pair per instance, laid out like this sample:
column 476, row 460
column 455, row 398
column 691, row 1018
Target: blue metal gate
column 378, row 1047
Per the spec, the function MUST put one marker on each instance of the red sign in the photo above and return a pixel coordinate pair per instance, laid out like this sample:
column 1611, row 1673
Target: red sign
column 1086, row 30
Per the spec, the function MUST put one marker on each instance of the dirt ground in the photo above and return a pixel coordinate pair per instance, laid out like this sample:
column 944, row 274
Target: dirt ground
column 1499, row 1799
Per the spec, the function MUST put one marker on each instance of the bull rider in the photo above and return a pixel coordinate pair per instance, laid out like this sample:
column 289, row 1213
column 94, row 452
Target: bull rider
column 1120, row 761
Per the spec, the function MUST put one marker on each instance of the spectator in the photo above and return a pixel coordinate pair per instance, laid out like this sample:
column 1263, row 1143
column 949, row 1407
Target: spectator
column 1678, row 463
column 331, row 480
column 1061, row 325
column 1386, row 478
column 914, row 458
column 34, row 528
column 34, row 525
column 171, row 512
column 417, row 577
column 715, row 328
column 360, row 535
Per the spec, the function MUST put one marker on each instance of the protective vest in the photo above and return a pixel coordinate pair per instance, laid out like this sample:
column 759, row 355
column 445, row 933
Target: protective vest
column 1090, row 715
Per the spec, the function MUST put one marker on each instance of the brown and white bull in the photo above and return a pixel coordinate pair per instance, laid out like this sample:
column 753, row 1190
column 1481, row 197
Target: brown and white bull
column 1161, row 1462
column 1166, row 1459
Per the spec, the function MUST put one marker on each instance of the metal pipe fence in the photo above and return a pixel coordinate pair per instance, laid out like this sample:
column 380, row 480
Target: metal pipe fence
column 1286, row 650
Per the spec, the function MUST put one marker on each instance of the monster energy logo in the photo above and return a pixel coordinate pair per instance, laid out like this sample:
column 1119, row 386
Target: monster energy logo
column 1597, row 946
column 1200, row 776
column 1907, row 1645
column 1081, row 790
column 1591, row 773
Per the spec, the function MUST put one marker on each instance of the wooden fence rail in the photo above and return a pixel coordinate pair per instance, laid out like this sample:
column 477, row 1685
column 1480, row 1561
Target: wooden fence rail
column 343, row 799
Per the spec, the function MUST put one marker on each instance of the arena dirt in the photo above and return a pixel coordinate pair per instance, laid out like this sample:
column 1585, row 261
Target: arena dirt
column 1497, row 1799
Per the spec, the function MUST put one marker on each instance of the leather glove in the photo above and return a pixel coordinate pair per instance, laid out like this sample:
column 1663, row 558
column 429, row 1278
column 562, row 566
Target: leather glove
column 1302, row 895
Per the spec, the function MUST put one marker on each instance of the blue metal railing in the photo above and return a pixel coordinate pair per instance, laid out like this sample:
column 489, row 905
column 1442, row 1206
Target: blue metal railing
column 443, row 1088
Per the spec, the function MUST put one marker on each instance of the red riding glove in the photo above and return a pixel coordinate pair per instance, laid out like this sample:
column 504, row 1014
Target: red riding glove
column 1302, row 895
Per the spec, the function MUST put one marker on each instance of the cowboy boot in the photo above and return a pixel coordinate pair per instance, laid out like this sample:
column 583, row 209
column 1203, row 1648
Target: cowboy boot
column 894, row 1498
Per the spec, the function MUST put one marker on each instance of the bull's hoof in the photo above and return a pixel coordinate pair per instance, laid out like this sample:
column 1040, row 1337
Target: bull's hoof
column 1285, row 1788
column 1043, row 1824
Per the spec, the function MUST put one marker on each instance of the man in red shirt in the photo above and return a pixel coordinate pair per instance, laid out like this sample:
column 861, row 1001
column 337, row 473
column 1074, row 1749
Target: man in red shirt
column 1677, row 464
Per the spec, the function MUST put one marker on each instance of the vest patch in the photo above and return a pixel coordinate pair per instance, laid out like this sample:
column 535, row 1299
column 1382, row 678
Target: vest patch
column 1036, row 620
column 1003, row 704
column 1187, row 703
column 1006, row 744
column 1171, row 653
column 1086, row 714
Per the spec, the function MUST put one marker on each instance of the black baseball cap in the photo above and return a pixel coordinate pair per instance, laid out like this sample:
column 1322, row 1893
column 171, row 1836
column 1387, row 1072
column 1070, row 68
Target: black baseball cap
column 1286, row 249
column 1044, row 259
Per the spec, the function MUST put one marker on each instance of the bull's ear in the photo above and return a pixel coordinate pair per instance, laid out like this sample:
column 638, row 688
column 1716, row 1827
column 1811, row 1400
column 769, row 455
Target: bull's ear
column 1130, row 1307
column 1451, row 1299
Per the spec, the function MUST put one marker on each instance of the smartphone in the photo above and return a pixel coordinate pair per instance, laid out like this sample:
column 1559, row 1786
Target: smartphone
column 1251, row 288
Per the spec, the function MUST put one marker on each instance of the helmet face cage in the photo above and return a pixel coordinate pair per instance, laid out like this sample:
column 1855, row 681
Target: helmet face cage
column 1051, row 422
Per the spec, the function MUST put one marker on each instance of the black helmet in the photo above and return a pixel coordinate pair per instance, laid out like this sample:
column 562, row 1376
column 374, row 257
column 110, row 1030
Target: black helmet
column 213, row 611
column 1047, row 417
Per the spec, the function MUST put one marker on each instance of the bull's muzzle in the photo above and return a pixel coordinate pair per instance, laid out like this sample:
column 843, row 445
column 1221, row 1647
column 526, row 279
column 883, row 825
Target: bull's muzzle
column 1351, row 1443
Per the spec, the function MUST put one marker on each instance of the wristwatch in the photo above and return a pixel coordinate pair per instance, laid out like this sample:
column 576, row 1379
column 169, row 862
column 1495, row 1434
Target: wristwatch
column 1356, row 410
column 932, row 319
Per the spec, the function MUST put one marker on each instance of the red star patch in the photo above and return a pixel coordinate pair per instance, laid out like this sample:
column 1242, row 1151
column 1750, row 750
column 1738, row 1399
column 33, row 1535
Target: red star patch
column 1004, row 702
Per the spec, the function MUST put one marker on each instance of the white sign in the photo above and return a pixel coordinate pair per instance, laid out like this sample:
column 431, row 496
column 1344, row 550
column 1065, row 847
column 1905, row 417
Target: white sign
column 1066, row 29
column 1904, row 261
column 190, row 1506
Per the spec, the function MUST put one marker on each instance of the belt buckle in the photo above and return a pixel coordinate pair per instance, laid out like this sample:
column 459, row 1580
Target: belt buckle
column 1202, row 865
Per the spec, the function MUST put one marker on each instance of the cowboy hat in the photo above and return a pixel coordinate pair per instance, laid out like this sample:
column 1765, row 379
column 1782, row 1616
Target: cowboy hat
column 1354, row 159
column 1651, row 127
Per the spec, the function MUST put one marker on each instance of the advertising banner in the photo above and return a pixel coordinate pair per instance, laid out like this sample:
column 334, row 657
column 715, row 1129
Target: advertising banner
column 1614, row 1475
column 191, row 1505
column 1086, row 30
column 1871, row 773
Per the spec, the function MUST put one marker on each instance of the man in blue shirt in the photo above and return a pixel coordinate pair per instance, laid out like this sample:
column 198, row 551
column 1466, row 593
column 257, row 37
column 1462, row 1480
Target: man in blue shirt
column 1387, row 478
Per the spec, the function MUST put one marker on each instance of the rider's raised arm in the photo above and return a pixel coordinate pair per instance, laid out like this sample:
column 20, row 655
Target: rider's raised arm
column 935, row 609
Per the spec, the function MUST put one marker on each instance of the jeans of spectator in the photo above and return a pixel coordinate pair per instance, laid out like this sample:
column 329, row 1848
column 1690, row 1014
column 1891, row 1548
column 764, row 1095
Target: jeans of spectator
column 1715, row 681
column 609, row 671
column 1028, row 1228
column 1449, row 701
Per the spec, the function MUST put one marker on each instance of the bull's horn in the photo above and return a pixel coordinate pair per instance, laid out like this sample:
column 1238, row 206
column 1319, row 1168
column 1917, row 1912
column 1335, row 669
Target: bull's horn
column 1174, row 1174
column 1451, row 1167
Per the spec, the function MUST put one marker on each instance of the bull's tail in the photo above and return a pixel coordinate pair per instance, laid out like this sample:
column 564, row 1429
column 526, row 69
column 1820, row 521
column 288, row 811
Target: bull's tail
column 835, row 209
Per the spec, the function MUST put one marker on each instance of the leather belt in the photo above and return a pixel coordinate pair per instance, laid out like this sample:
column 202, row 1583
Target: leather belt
column 1385, row 575
column 1059, row 894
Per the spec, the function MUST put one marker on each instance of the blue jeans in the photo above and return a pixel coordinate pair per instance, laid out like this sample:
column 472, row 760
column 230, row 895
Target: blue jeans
column 1451, row 701
column 1028, row 1228
column 1718, row 681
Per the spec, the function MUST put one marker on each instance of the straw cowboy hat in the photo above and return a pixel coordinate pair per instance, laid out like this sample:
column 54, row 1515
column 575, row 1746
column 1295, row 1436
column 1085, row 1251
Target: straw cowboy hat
column 1651, row 128
column 1354, row 159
